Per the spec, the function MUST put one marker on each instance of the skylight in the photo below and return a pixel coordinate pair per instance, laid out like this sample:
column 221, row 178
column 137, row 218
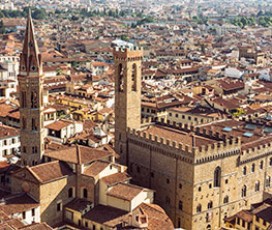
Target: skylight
column 248, row 134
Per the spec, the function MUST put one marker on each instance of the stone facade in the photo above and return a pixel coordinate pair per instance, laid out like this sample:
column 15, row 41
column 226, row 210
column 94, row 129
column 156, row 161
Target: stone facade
column 127, row 94
column 31, row 100
column 198, row 174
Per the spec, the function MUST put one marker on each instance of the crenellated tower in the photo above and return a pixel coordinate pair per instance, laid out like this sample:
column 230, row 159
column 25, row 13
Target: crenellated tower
column 31, row 99
column 127, row 95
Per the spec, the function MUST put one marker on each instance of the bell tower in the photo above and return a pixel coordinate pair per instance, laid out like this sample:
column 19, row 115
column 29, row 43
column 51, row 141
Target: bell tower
column 127, row 95
column 31, row 99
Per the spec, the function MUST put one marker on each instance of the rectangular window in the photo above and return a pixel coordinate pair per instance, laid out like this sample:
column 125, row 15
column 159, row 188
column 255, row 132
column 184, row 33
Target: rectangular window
column 59, row 206
column 33, row 211
column 24, row 215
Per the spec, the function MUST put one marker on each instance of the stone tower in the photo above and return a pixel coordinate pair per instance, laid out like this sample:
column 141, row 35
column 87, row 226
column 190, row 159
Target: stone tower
column 31, row 99
column 127, row 95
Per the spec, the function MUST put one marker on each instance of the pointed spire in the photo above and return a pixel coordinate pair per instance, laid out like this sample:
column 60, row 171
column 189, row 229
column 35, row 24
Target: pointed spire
column 30, row 57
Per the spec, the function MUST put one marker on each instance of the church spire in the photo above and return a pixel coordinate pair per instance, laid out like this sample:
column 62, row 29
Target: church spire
column 30, row 57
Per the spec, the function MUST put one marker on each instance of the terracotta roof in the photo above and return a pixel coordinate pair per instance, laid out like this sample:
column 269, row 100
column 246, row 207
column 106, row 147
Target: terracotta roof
column 37, row 226
column 116, row 178
column 11, row 224
column 5, row 109
column 245, row 215
column 58, row 125
column 178, row 136
column 95, row 168
column 125, row 191
column 106, row 215
column 157, row 218
column 78, row 204
column 18, row 204
column 78, row 154
column 50, row 171
column 7, row 131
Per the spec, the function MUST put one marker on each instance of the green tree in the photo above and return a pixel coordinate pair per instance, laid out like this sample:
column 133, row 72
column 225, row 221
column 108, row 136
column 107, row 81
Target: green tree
column 2, row 27
column 39, row 14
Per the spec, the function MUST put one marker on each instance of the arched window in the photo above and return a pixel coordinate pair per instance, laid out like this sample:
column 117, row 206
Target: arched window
column 34, row 100
column 268, row 181
column 198, row 208
column 209, row 227
column 244, row 171
column 226, row 199
column 261, row 165
column 180, row 205
column 244, row 191
column 253, row 167
column 85, row 193
column 34, row 125
column 70, row 192
column 257, row 186
column 217, row 177
column 134, row 77
column 210, row 205
column 121, row 78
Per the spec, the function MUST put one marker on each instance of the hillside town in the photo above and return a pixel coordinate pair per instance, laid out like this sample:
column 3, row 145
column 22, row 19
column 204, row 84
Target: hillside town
column 135, row 114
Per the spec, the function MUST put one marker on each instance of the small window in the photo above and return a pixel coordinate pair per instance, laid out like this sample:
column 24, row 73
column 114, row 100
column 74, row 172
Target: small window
column 244, row 191
column 226, row 199
column 70, row 192
column 217, row 177
column 180, row 205
column 199, row 189
column 226, row 181
column 180, row 186
column 24, row 215
column 199, row 208
column 167, row 181
column 261, row 165
column 59, row 206
column 33, row 211
column 210, row 205
column 85, row 193
column 244, row 170
column 253, row 168
column 267, row 181
column 257, row 186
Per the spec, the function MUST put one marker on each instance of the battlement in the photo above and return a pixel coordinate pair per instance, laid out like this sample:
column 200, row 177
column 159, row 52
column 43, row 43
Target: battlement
column 227, row 145
column 155, row 138
column 201, row 131
column 255, row 150
column 218, row 149
column 125, row 53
